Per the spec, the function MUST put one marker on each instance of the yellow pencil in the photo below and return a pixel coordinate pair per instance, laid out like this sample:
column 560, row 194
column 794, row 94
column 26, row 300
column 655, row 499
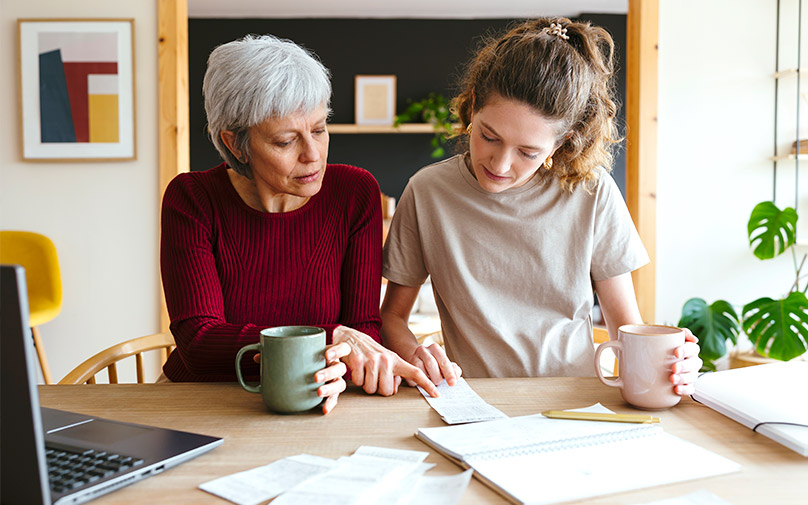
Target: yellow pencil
column 597, row 416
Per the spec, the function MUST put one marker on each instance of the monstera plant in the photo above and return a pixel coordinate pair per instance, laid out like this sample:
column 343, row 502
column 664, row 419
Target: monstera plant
column 777, row 328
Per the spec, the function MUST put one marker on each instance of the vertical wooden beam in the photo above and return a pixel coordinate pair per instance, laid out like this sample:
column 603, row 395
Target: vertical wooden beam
column 173, row 123
column 641, row 139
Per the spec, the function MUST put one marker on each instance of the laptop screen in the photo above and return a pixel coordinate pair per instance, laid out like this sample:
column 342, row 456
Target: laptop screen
column 22, row 445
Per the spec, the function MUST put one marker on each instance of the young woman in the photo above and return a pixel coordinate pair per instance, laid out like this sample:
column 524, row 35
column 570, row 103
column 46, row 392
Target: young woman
column 520, row 231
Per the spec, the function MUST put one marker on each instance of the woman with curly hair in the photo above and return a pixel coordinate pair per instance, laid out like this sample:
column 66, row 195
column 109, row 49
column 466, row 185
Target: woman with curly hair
column 520, row 231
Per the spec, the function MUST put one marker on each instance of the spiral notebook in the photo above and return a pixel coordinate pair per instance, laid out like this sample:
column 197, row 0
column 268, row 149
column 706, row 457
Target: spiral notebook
column 769, row 399
column 533, row 459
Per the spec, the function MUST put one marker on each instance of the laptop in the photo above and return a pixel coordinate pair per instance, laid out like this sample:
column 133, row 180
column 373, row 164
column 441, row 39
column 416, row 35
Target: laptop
column 51, row 456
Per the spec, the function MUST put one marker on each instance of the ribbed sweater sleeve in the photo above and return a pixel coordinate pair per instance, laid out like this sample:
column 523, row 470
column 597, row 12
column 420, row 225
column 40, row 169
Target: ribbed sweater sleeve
column 229, row 271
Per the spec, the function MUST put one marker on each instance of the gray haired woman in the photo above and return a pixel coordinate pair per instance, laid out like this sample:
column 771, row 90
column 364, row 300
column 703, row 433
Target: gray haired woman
column 274, row 235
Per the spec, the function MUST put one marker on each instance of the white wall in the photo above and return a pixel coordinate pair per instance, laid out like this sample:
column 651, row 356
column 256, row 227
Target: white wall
column 103, row 217
column 716, row 116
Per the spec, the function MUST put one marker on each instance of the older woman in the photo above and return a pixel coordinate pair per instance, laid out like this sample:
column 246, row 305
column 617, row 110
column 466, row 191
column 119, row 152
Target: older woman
column 274, row 236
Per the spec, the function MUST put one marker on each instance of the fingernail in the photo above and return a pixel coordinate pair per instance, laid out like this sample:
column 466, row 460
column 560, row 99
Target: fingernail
column 675, row 379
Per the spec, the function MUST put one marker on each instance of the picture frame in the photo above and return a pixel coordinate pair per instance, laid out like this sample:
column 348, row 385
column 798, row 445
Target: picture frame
column 375, row 100
column 76, row 89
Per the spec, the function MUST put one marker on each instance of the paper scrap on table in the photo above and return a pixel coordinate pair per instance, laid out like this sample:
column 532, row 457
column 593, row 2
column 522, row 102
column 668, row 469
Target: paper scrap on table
column 260, row 484
column 700, row 497
column 371, row 475
column 355, row 479
column 384, row 452
column 460, row 404
column 443, row 490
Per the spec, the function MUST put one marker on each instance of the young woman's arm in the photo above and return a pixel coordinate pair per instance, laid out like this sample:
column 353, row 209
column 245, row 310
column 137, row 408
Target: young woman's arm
column 619, row 306
column 396, row 335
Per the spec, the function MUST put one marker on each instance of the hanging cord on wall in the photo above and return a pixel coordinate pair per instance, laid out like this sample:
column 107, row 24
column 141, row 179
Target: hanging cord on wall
column 797, row 155
column 776, row 104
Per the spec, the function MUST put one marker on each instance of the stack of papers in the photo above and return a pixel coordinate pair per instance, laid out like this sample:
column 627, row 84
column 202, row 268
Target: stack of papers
column 370, row 475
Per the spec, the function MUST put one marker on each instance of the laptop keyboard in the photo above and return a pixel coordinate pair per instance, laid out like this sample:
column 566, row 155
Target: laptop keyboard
column 70, row 468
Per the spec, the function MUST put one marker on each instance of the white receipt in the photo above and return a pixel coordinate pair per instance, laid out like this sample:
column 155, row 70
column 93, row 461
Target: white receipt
column 354, row 479
column 445, row 490
column 460, row 404
column 372, row 475
column 260, row 484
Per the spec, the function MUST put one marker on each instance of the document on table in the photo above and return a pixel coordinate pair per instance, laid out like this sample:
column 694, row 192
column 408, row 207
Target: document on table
column 260, row 484
column 460, row 404
column 371, row 475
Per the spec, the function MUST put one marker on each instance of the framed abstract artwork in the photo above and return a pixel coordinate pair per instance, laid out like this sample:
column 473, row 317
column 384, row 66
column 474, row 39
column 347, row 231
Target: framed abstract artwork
column 77, row 97
column 375, row 99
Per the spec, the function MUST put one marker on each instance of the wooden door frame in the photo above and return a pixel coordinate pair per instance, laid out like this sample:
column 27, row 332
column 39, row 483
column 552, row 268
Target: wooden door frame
column 641, row 123
column 642, row 41
column 173, row 98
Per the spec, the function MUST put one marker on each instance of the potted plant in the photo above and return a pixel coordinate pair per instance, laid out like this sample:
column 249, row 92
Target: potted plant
column 777, row 328
column 433, row 110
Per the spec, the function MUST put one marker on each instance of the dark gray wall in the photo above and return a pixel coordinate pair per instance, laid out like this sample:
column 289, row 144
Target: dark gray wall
column 425, row 55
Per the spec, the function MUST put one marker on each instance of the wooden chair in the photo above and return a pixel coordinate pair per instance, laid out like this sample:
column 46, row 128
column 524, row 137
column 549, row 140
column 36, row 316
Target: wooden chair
column 85, row 372
column 600, row 336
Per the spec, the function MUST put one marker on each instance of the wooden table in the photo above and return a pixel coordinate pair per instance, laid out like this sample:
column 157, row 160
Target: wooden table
column 771, row 474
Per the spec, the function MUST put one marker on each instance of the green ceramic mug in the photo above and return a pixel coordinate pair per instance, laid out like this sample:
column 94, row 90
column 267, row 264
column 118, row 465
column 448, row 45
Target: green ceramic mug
column 290, row 356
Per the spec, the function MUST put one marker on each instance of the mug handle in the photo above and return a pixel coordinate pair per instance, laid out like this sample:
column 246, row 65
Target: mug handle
column 251, row 347
column 615, row 383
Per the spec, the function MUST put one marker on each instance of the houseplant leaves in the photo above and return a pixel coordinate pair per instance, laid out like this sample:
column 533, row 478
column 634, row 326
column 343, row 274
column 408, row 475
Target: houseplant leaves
column 713, row 324
column 783, row 322
column 434, row 110
column 771, row 230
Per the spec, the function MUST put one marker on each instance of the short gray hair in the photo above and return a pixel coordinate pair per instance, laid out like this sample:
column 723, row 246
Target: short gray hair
column 255, row 78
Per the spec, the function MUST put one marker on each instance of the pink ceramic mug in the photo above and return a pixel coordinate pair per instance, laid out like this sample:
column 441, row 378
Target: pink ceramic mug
column 645, row 354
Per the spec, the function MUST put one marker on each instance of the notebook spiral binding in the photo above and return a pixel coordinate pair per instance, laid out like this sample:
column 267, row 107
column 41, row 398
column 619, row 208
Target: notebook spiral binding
column 567, row 443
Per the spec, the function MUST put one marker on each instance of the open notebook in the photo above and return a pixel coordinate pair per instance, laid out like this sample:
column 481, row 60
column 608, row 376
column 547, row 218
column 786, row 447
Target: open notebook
column 533, row 459
column 771, row 398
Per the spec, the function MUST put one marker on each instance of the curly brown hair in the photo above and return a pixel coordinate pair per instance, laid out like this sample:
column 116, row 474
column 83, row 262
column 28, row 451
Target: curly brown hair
column 569, row 80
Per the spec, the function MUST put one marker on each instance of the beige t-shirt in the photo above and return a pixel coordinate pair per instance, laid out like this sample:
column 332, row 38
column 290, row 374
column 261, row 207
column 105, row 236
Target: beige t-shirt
column 512, row 272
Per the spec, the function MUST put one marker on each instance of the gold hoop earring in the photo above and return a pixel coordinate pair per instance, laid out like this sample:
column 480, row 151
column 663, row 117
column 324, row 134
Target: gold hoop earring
column 468, row 129
column 548, row 163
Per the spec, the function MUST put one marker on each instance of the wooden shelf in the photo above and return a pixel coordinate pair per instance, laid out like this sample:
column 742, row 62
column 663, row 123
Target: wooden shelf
column 790, row 71
column 792, row 157
column 404, row 128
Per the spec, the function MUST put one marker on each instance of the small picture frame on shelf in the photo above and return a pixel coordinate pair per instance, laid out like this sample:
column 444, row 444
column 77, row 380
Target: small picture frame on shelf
column 77, row 96
column 375, row 99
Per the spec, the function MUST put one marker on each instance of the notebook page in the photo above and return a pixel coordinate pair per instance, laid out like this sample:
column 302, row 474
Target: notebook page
column 581, row 472
column 465, row 441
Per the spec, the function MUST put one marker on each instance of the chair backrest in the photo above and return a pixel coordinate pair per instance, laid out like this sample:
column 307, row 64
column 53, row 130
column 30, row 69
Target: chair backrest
column 37, row 254
column 85, row 372
column 600, row 336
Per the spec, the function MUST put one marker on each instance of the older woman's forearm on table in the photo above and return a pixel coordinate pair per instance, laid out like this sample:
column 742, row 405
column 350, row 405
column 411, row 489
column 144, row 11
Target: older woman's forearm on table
column 209, row 347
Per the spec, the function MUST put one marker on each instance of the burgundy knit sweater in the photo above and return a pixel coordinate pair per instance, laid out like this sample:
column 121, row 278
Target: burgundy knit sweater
column 230, row 271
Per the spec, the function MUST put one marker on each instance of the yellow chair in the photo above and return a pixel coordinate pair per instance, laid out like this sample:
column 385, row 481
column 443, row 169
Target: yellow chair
column 108, row 358
column 37, row 254
column 600, row 336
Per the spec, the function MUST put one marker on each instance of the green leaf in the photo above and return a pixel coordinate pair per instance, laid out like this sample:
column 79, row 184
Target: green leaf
column 771, row 230
column 713, row 325
column 784, row 323
column 437, row 153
